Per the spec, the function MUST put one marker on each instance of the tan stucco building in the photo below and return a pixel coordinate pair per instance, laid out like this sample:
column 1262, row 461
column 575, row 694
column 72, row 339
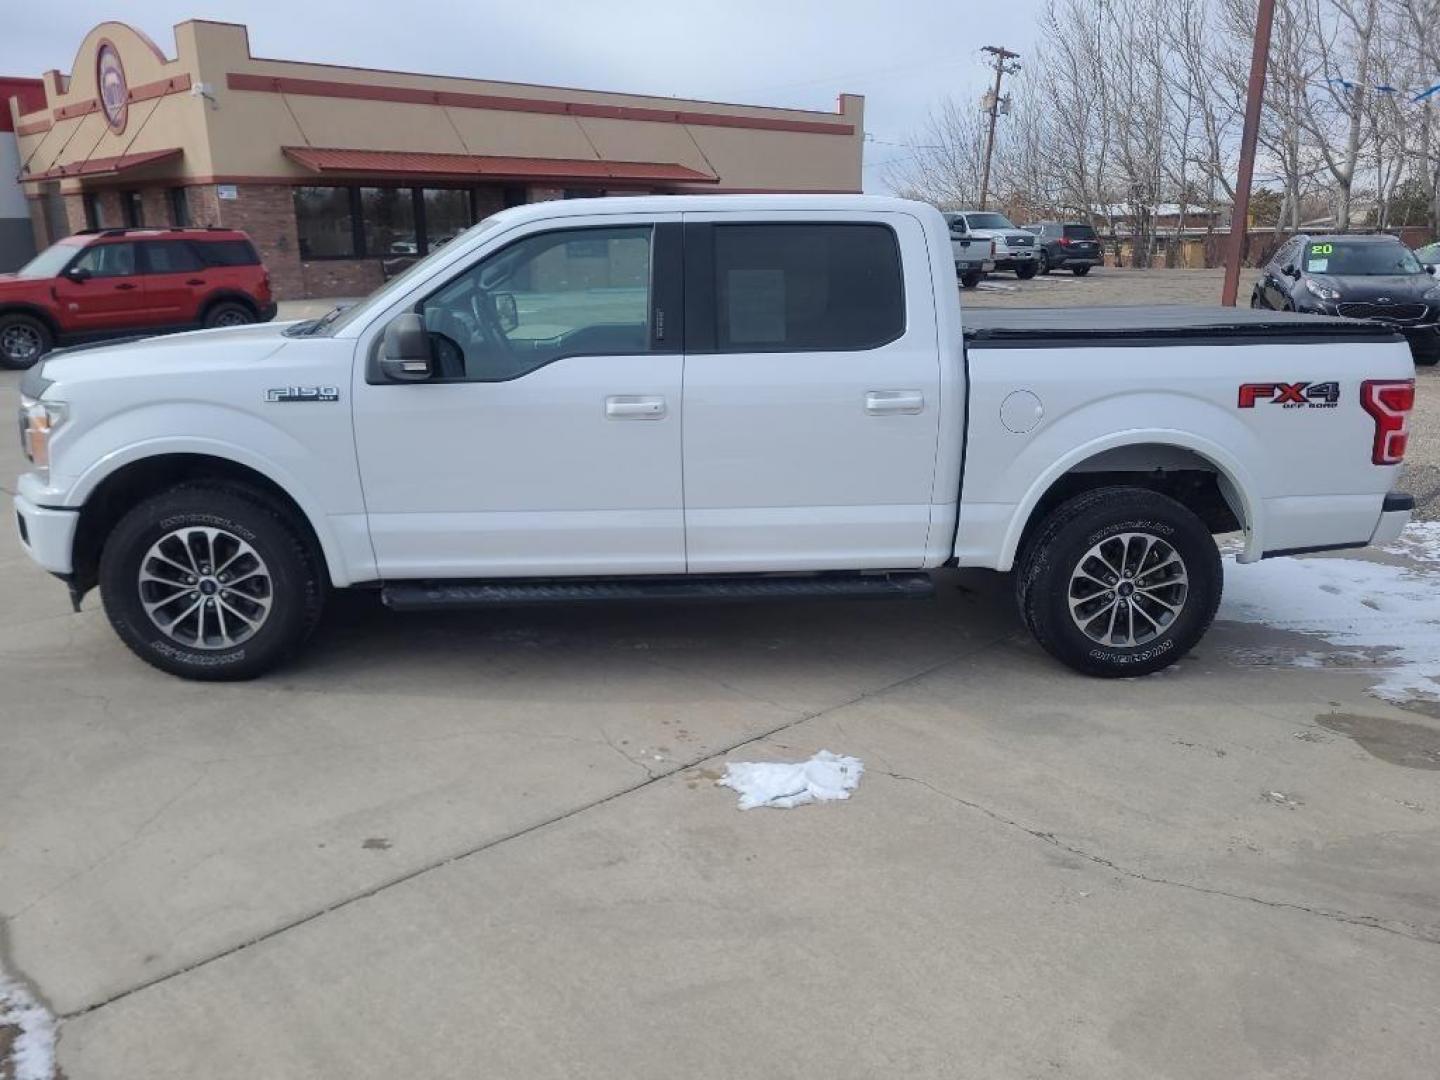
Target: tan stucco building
column 335, row 170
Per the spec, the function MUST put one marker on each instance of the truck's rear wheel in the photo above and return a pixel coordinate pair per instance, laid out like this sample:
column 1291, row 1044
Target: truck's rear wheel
column 1026, row 271
column 971, row 279
column 210, row 582
column 1119, row 581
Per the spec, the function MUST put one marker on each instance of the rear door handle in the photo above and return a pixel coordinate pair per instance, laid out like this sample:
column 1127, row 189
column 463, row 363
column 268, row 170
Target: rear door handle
column 887, row 402
column 195, row 281
column 634, row 407
column 124, row 285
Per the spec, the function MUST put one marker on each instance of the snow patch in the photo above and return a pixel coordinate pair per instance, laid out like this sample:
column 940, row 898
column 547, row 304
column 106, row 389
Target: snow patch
column 32, row 1055
column 1420, row 541
column 784, row 784
column 1392, row 612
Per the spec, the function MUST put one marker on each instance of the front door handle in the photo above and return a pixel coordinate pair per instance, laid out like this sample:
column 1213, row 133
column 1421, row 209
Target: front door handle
column 124, row 285
column 634, row 407
column 195, row 281
column 887, row 402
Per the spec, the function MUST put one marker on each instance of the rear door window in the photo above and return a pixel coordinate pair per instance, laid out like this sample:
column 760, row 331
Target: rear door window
column 813, row 287
column 170, row 257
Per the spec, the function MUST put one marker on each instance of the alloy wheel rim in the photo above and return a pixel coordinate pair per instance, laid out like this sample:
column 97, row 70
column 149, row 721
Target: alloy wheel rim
column 205, row 588
column 231, row 318
column 1128, row 589
column 19, row 343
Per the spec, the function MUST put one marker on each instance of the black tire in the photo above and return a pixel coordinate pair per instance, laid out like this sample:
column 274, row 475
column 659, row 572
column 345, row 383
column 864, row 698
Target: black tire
column 295, row 583
column 1042, row 262
column 1080, row 271
column 23, row 341
column 1255, row 300
column 1051, row 564
column 1026, row 271
column 1427, row 361
column 228, row 313
column 972, row 279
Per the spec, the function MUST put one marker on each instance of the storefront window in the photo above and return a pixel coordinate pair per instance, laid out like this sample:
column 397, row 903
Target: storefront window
column 325, row 222
column 387, row 216
column 447, row 215
column 134, row 209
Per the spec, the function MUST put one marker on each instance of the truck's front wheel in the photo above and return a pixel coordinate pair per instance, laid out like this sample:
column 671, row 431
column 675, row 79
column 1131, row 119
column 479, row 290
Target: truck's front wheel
column 1119, row 581
column 210, row 582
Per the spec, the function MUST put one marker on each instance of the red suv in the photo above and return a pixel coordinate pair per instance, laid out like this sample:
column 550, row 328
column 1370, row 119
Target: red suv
column 111, row 282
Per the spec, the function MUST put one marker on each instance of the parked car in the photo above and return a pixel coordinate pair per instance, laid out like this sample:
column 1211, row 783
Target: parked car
column 120, row 282
column 1359, row 277
column 1068, row 245
column 703, row 397
column 974, row 256
column 1014, row 247
column 1429, row 255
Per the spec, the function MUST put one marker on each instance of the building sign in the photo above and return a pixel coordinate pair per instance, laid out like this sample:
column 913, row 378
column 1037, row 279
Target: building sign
column 114, row 94
column 227, row 191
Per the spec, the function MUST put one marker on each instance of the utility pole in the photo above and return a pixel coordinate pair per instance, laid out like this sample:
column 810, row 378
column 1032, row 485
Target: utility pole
column 1003, row 67
column 1255, row 96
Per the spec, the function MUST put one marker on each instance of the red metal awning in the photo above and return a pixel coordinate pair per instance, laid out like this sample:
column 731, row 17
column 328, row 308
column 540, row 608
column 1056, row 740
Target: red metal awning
column 106, row 166
column 402, row 163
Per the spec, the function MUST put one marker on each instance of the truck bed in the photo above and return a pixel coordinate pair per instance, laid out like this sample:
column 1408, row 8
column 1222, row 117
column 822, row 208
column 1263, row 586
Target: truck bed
column 1156, row 325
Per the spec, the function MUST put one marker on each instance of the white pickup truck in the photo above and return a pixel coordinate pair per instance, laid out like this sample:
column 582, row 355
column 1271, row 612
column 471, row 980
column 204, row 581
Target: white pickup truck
column 702, row 398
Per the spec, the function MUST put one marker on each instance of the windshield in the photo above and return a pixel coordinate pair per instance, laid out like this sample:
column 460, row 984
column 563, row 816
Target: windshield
column 1359, row 260
column 49, row 262
column 342, row 317
column 989, row 221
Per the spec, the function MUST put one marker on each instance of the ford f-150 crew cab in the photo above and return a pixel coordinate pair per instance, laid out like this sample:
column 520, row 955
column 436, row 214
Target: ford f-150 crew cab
column 702, row 397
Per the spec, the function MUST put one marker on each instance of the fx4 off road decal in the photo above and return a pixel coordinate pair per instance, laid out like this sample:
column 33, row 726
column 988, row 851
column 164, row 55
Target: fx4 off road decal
column 1298, row 395
column 303, row 393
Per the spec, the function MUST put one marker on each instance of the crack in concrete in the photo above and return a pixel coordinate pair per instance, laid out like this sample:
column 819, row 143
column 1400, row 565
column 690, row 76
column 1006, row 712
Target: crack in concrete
column 130, row 840
column 652, row 778
column 1369, row 922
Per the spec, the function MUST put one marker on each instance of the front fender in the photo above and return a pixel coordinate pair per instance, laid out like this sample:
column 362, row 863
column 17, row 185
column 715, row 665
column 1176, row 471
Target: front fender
column 318, row 473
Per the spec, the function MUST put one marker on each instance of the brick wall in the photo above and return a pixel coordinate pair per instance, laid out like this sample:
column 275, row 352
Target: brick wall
column 155, row 206
column 339, row 277
column 112, row 213
column 267, row 213
column 75, row 212
column 204, row 205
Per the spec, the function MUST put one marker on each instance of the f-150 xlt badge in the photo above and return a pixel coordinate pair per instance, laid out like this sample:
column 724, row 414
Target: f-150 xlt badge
column 1325, row 395
column 303, row 393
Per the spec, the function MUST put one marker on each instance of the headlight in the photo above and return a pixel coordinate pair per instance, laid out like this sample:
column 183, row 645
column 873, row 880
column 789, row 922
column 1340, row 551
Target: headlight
column 1324, row 292
column 38, row 421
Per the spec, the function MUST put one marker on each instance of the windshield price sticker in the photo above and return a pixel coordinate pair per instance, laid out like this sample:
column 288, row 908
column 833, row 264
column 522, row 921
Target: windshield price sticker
column 1319, row 260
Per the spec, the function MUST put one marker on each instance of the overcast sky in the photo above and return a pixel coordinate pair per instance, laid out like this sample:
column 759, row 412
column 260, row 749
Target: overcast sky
column 904, row 55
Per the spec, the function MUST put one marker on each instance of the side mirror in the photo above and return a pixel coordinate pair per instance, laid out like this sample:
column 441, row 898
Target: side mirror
column 78, row 274
column 1432, row 269
column 507, row 314
column 1291, row 271
column 405, row 350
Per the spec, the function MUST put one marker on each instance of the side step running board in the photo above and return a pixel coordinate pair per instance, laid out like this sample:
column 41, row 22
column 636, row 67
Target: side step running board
column 432, row 596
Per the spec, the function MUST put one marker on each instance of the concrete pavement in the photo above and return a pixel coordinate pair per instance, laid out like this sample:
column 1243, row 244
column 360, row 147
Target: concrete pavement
column 492, row 845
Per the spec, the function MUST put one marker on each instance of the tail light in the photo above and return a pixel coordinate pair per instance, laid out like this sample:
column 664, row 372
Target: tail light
column 992, row 247
column 1389, row 402
column 1064, row 241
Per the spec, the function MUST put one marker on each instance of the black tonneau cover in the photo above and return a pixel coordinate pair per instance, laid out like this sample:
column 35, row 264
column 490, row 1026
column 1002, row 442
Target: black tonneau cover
column 1157, row 325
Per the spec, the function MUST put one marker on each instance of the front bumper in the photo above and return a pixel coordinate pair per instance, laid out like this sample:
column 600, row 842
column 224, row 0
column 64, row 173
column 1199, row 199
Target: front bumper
column 269, row 311
column 47, row 535
column 1424, row 340
column 1395, row 514
column 969, row 266
column 1014, row 258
